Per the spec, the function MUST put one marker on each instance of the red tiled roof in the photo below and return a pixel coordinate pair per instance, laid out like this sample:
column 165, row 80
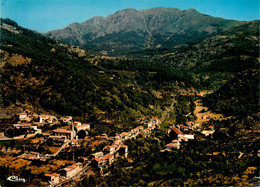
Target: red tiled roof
column 97, row 159
column 116, row 142
column 83, row 125
column 124, row 134
column 175, row 141
column 172, row 145
column 62, row 131
column 107, row 156
column 139, row 127
column 189, row 122
column 69, row 168
column 22, row 113
column 55, row 174
column 25, row 125
column 123, row 146
column 177, row 131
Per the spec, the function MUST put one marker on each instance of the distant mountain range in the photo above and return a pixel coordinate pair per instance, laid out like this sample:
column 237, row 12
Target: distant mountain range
column 129, row 31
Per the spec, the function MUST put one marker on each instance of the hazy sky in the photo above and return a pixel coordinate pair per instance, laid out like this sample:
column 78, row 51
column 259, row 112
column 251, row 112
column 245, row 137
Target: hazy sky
column 46, row 15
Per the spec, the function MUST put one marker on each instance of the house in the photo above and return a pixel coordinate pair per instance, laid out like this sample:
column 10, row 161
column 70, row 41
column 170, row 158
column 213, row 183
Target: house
column 64, row 133
column 71, row 170
column 47, row 119
column 67, row 119
column 145, row 132
column 139, row 128
column 83, row 127
column 25, row 126
column 96, row 155
column 29, row 128
column 211, row 128
column 108, row 159
column 123, row 135
column 177, row 142
column 150, row 124
column 172, row 146
column 35, row 128
column 189, row 136
column 175, row 133
column 208, row 132
column 53, row 178
column 109, row 149
column 74, row 143
column 116, row 144
column 76, row 123
column 22, row 116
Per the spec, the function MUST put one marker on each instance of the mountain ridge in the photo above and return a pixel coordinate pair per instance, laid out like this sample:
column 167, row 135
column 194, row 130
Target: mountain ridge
column 141, row 29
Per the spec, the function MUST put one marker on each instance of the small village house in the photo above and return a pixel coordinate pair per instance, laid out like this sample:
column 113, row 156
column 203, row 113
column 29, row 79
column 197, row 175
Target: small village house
column 109, row 159
column 76, row 123
column 109, row 149
column 47, row 119
column 84, row 127
column 97, row 155
column 53, row 178
column 172, row 146
column 68, row 134
column 67, row 119
column 22, row 116
column 71, row 170
column 175, row 133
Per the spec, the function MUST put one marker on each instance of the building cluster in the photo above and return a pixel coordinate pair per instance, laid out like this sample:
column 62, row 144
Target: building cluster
column 38, row 120
column 178, row 136
column 103, row 159
column 63, row 174
column 63, row 134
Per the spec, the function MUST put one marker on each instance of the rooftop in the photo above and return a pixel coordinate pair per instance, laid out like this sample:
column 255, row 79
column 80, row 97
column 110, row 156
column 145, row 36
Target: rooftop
column 25, row 125
column 123, row 146
column 107, row 156
column 69, row 168
column 23, row 113
column 62, row 131
column 177, row 131
column 83, row 125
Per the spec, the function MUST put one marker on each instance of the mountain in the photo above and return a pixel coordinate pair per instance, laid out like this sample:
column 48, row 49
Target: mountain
column 129, row 31
column 43, row 75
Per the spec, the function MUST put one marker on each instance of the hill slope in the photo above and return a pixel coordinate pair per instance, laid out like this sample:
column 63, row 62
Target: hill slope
column 219, row 57
column 130, row 31
column 39, row 72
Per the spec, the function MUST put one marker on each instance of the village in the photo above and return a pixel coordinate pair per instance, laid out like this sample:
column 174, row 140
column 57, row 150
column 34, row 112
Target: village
column 29, row 125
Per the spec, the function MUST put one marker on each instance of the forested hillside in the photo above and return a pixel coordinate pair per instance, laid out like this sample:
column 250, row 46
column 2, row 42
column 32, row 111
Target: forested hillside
column 239, row 97
column 216, row 59
column 40, row 73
